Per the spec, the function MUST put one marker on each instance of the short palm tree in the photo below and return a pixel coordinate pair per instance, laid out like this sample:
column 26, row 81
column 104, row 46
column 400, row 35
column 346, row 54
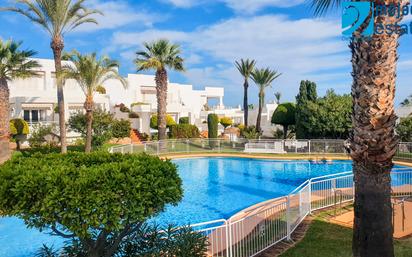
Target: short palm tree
column 159, row 56
column 57, row 17
column 373, row 141
column 278, row 95
column 90, row 73
column 14, row 64
column 245, row 68
column 263, row 78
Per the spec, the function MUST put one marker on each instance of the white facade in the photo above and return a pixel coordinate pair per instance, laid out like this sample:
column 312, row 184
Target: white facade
column 266, row 122
column 35, row 99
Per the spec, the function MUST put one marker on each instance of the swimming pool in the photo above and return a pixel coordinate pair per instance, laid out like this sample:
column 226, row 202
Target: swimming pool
column 214, row 188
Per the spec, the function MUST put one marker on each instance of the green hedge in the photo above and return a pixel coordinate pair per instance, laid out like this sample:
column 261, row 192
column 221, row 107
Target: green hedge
column 184, row 120
column 19, row 127
column 91, row 196
column 212, row 124
column 184, row 131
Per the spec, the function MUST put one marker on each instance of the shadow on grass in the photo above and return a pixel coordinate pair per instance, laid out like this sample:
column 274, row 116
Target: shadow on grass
column 324, row 239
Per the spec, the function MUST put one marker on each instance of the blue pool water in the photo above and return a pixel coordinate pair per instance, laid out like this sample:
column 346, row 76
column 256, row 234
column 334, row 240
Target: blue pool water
column 214, row 188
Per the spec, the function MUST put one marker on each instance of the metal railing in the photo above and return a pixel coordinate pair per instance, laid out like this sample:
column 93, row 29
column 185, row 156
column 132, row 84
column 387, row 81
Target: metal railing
column 238, row 146
column 256, row 229
column 260, row 227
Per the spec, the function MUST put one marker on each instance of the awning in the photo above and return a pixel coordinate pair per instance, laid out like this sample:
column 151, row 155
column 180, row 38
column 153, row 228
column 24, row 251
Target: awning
column 37, row 106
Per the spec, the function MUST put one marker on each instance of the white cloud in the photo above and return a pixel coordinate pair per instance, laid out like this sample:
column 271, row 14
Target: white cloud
column 244, row 6
column 299, row 49
column 118, row 14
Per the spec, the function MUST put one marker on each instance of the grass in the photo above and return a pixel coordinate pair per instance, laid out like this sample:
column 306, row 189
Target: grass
column 324, row 239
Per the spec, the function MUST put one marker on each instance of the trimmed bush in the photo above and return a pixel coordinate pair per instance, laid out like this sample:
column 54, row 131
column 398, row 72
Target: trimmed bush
column 121, row 128
column 284, row 115
column 226, row 122
column 19, row 129
column 184, row 131
column 184, row 120
column 169, row 121
column 133, row 115
column 212, row 124
column 99, row 199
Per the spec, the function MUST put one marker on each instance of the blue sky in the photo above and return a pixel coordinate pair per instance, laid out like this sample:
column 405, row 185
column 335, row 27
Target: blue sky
column 280, row 34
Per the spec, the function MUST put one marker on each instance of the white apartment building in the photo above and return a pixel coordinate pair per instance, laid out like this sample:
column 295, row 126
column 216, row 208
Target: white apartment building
column 35, row 99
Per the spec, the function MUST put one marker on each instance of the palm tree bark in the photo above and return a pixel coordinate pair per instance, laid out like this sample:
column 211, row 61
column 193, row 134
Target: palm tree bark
column 161, row 90
column 88, row 105
column 245, row 102
column 259, row 117
column 57, row 46
column 373, row 142
column 4, row 120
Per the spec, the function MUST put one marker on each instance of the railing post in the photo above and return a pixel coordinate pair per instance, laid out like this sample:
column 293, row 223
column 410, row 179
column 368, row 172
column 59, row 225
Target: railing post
column 158, row 146
column 229, row 228
column 310, row 196
column 187, row 146
column 288, row 218
column 309, row 143
column 131, row 148
column 145, row 147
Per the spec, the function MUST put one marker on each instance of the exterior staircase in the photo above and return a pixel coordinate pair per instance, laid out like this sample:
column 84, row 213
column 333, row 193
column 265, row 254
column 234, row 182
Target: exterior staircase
column 136, row 137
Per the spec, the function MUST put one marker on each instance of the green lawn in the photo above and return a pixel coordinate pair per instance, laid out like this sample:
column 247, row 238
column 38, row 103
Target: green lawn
column 326, row 240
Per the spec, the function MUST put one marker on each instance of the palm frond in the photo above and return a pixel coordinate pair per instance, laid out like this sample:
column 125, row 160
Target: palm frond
column 322, row 6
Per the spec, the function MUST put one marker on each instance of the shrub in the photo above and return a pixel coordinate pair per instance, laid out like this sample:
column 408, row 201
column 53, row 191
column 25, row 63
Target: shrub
column 184, row 120
column 101, row 90
column 99, row 199
column 226, row 122
column 102, row 126
column 184, row 131
column 169, row 121
column 137, row 104
column 250, row 133
column 133, row 115
column 120, row 128
column 19, row 129
column 212, row 124
column 284, row 115
column 39, row 136
column 123, row 107
column 404, row 129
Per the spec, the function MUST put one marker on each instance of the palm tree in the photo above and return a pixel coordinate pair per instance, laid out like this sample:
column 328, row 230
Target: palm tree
column 263, row 78
column 245, row 67
column 90, row 73
column 373, row 142
column 278, row 95
column 160, row 55
column 14, row 64
column 57, row 17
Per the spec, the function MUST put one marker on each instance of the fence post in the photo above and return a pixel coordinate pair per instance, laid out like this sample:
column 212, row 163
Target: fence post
column 229, row 228
column 145, row 147
column 288, row 218
column 158, row 146
column 187, row 146
column 131, row 148
column 309, row 143
column 310, row 196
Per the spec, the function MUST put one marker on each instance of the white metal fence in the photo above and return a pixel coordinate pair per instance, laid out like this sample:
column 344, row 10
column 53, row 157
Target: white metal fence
column 257, row 229
column 238, row 146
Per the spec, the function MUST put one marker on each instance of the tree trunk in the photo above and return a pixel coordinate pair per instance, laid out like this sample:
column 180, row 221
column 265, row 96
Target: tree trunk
column 259, row 117
column 245, row 102
column 4, row 120
column 57, row 46
column 161, row 90
column 373, row 143
column 285, row 131
column 88, row 105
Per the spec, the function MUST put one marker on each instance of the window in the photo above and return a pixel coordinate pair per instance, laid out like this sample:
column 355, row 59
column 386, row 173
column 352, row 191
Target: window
column 26, row 116
column 33, row 116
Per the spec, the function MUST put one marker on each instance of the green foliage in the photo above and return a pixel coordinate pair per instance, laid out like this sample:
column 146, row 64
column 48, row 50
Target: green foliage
column 284, row 115
column 329, row 116
column 213, row 125
column 307, row 95
column 184, row 120
column 19, row 127
column 101, row 90
column 138, row 104
column 16, row 63
column 123, row 108
column 404, row 129
column 121, row 128
column 134, row 115
column 226, row 122
column 103, row 123
column 169, row 121
column 184, row 131
column 39, row 134
column 99, row 198
column 250, row 132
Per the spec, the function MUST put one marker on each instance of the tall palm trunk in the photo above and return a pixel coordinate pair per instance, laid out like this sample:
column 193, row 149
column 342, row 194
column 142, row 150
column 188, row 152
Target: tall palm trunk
column 88, row 105
column 57, row 46
column 161, row 90
column 245, row 102
column 373, row 142
column 4, row 120
column 259, row 117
